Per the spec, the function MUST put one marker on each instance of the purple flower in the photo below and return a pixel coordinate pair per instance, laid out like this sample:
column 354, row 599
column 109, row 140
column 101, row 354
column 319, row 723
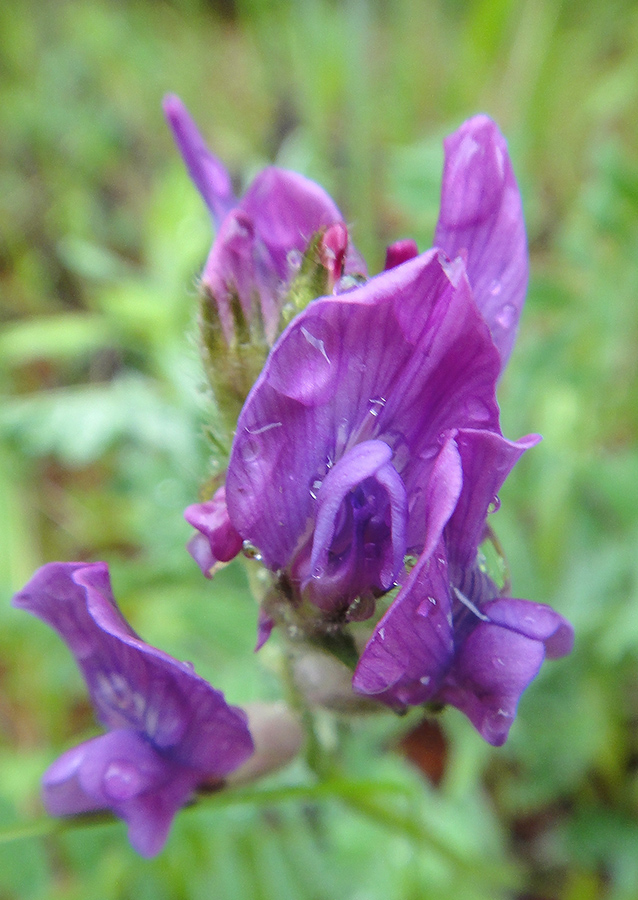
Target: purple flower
column 260, row 239
column 369, row 451
column 169, row 731
column 450, row 637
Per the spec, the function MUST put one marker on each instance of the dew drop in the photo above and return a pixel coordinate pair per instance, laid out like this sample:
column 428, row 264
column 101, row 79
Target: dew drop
column 376, row 404
column 250, row 450
column 505, row 318
column 425, row 679
column 314, row 488
column 495, row 287
column 495, row 505
column 250, row 551
column 343, row 433
column 315, row 342
column 262, row 429
column 294, row 258
column 477, row 410
column 347, row 283
column 121, row 780
column 304, row 365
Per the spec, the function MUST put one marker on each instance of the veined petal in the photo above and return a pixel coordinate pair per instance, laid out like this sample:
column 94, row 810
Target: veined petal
column 486, row 459
column 481, row 219
column 358, row 542
column 360, row 463
column 432, row 507
column 401, row 359
column 412, row 647
column 207, row 172
column 498, row 660
column 121, row 772
column 133, row 685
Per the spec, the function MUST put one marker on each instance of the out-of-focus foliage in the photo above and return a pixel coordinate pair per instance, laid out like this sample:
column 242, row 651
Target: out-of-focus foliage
column 102, row 420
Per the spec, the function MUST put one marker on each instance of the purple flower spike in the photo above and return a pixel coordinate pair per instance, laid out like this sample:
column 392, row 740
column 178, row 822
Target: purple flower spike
column 261, row 239
column 169, row 730
column 481, row 220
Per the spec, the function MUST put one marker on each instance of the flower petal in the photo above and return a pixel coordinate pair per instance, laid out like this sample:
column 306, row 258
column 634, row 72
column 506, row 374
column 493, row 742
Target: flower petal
column 120, row 771
column 399, row 252
column 486, row 458
column 207, row 172
column 499, row 659
column 132, row 684
column 217, row 540
column 406, row 658
column 481, row 219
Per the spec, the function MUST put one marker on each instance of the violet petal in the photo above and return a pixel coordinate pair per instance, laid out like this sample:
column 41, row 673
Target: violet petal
column 481, row 219
column 499, row 659
column 217, row 541
column 412, row 646
column 207, row 172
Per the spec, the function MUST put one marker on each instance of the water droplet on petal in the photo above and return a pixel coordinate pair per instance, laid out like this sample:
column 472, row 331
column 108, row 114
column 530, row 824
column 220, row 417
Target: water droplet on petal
column 425, row 679
column 495, row 287
column 375, row 405
column 250, row 450
column 495, row 505
column 314, row 488
column 505, row 318
column 304, row 365
column 315, row 342
column 250, row 551
column 121, row 780
column 294, row 258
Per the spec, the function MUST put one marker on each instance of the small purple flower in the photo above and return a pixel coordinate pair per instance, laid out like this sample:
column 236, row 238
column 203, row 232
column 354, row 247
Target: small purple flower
column 369, row 451
column 450, row 637
column 216, row 540
column 260, row 239
column 169, row 730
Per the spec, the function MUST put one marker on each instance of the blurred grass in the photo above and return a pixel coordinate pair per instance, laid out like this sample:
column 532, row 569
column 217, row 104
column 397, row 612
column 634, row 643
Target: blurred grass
column 101, row 415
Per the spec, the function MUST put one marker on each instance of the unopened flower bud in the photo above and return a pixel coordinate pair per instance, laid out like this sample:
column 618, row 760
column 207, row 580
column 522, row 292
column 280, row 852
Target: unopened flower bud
column 277, row 736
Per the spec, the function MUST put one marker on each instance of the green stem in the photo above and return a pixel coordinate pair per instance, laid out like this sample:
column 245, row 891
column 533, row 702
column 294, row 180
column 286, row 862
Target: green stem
column 353, row 794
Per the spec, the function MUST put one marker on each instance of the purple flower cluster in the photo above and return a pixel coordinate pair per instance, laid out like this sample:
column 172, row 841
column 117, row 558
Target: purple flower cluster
column 369, row 451
column 168, row 732
column 367, row 456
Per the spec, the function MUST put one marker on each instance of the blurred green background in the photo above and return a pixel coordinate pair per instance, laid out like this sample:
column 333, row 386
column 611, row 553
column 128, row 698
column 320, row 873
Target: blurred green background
column 103, row 407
